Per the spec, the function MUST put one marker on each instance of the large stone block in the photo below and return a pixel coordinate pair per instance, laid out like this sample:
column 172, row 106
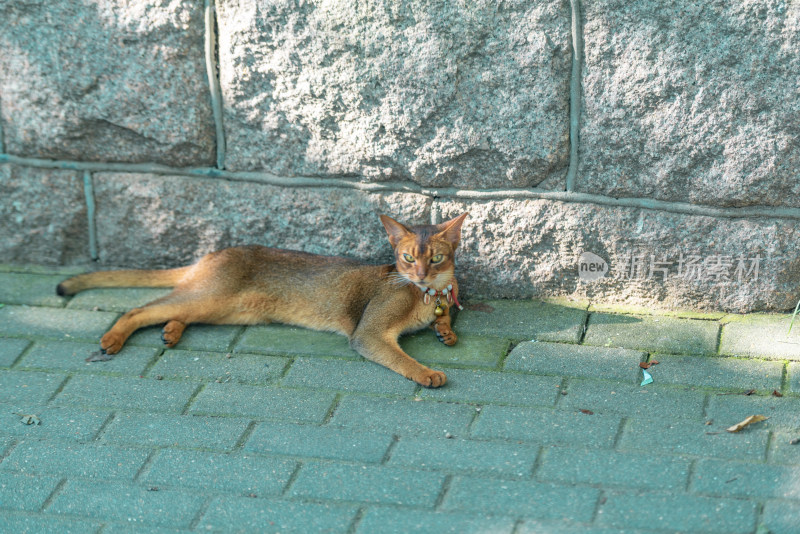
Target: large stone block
column 158, row 221
column 112, row 80
column 441, row 93
column 42, row 216
column 693, row 102
column 521, row 248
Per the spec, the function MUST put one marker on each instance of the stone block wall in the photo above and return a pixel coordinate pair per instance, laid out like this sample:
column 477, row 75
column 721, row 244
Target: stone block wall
column 621, row 152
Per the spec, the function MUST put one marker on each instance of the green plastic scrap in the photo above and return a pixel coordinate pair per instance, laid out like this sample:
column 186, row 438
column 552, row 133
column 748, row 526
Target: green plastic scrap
column 648, row 378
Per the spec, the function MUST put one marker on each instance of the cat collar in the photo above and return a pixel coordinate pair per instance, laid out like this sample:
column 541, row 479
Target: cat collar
column 447, row 292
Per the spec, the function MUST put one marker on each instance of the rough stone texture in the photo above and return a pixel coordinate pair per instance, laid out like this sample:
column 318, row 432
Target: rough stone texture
column 519, row 248
column 107, row 80
column 693, row 102
column 147, row 220
column 34, row 228
column 441, row 93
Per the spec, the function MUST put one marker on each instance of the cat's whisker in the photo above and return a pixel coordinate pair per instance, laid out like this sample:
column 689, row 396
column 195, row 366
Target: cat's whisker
column 398, row 279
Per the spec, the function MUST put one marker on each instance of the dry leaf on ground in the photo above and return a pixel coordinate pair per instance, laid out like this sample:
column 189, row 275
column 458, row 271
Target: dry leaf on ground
column 747, row 422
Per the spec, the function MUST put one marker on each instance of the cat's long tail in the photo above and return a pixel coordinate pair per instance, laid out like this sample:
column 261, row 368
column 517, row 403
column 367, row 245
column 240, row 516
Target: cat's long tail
column 130, row 278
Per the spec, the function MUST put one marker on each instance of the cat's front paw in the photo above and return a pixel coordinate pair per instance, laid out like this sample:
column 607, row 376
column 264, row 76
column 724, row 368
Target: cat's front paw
column 449, row 337
column 430, row 378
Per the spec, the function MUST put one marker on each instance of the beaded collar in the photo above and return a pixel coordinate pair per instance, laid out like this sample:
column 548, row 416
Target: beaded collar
column 447, row 292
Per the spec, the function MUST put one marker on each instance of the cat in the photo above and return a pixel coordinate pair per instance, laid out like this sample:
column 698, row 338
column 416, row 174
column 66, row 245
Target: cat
column 370, row 304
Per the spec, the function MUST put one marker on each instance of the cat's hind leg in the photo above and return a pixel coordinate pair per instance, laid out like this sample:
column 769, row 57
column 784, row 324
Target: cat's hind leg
column 172, row 332
column 176, row 309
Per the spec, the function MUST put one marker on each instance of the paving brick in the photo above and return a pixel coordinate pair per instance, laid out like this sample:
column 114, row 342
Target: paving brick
column 546, row 426
column 633, row 309
column 5, row 445
column 568, row 527
column 521, row 498
column 398, row 521
column 216, row 338
column 56, row 422
column 783, row 413
column 241, row 514
column 10, row 349
column 523, row 320
column 318, row 442
column 125, row 393
column 717, row 372
column 346, row 375
column 115, row 299
column 480, row 386
column 264, row 402
column 175, row 430
column 28, row 522
column 376, row 484
column 569, row 465
column 55, row 323
column 20, row 491
column 780, row 517
column 120, row 501
column 575, row 360
column 454, row 455
column 725, row 478
column 67, row 356
column 28, row 387
column 240, row 473
column 75, row 460
column 664, row 435
column 123, row 528
column 470, row 350
column 218, row 366
column 633, row 400
column 782, row 450
column 652, row 334
column 282, row 340
column 679, row 512
column 30, row 289
column 63, row 270
column 403, row 417
column 761, row 336
column 794, row 378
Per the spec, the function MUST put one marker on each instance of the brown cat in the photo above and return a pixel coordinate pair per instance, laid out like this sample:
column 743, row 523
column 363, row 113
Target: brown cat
column 371, row 304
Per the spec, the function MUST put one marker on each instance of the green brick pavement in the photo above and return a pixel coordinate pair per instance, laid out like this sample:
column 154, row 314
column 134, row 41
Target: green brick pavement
column 11, row 349
column 760, row 336
column 677, row 513
column 653, row 333
column 543, row 425
column 523, row 320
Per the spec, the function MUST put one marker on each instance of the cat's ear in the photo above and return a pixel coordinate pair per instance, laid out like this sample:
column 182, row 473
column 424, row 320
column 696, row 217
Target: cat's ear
column 395, row 230
column 451, row 230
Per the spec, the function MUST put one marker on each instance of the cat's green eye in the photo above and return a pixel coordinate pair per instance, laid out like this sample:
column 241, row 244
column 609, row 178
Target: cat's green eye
column 437, row 258
column 409, row 258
